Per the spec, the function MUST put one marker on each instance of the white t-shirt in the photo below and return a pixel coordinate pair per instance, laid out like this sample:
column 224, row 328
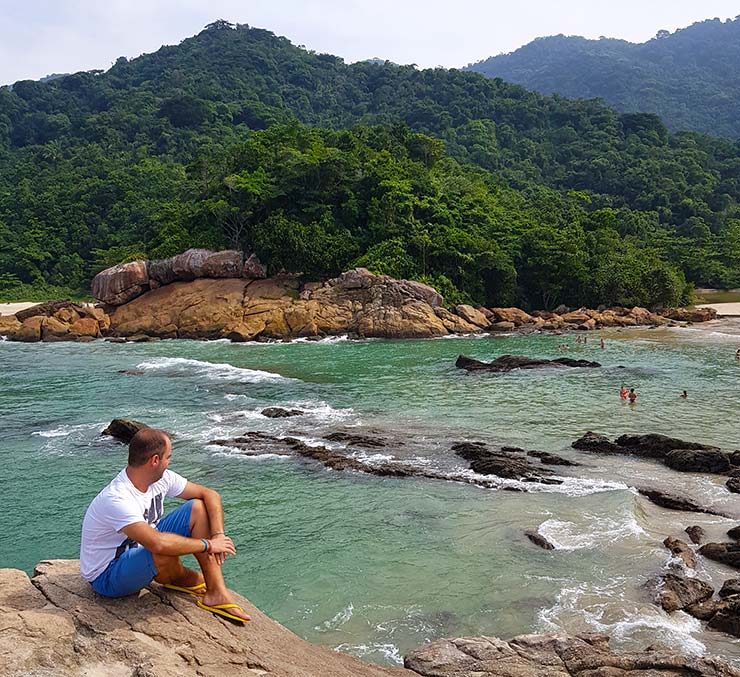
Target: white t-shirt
column 114, row 508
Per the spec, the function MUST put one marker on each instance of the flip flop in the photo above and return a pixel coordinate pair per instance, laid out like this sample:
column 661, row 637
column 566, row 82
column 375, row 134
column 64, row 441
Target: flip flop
column 195, row 590
column 221, row 610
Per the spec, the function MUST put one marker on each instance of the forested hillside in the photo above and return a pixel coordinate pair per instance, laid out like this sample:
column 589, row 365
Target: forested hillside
column 690, row 78
column 236, row 137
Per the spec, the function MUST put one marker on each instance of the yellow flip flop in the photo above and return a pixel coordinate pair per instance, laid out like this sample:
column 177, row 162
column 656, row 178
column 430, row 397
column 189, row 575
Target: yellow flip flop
column 196, row 590
column 222, row 610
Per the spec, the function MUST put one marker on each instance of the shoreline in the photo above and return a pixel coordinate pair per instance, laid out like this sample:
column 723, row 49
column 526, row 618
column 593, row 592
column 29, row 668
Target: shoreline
column 17, row 306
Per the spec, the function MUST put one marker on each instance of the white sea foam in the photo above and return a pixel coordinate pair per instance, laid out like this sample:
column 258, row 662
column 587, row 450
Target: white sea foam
column 215, row 371
column 628, row 625
column 571, row 486
column 387, row 650
column 338, row 620
column 600, row 531
column 67, row 430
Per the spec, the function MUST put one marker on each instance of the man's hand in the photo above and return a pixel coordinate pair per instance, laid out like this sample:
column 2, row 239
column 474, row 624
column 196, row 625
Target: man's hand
column 221, row 546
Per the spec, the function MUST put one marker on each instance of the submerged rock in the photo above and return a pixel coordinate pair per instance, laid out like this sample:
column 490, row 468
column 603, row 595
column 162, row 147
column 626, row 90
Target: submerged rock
column 355, row 439
column 696, row 534
column 538, row 539
column 653, row 445
column 675, row 502
column 554, row 655
column 279, row 412
column 510, row 362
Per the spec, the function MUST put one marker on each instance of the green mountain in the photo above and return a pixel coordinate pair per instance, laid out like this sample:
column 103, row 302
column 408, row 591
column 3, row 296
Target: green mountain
column 236, row 137
column 690, row 78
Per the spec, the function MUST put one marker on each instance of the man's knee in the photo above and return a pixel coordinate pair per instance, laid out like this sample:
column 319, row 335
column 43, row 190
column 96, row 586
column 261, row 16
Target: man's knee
column 197, row 511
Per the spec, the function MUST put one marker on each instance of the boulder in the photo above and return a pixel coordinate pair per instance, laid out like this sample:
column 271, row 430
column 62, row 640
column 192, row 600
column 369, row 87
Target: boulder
column 471, row 315
column 730, row 587
column 454, row 323
column 279, row 412
column 677, row 591
column 538, row 539
column 85, row 326
column 420, row 292
column 681, row 550
column 698, row 460
column 696, row 534
column 733, row 485
column 47, row 309
column 53, row 329
column 734, row 533
column 735, row 458
column 253, row 269
column 9, row 325
column 513, row 315
column 726, row 553
column 727, row 618
column 592, row 441
column 123, row 429
column 122, row 283
column 223, row 264
column 576, row 317
column 555, row 655
column 161, row 272
column 690, row 314
column 654, row 445
column 30, row 329
column 189, row 265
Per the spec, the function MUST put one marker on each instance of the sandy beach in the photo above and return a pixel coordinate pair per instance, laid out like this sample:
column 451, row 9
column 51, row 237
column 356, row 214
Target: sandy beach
column 13, row 308
column 726, row 309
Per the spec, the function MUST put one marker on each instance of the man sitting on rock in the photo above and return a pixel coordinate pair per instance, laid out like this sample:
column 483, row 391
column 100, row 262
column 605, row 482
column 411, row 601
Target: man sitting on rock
column 127, row 543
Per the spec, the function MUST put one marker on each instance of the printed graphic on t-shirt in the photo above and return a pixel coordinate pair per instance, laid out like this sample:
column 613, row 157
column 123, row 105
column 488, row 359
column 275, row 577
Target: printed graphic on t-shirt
column 152, row 515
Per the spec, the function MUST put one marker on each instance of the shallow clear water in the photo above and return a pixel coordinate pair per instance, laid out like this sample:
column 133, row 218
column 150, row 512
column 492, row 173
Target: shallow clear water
column 377, row 566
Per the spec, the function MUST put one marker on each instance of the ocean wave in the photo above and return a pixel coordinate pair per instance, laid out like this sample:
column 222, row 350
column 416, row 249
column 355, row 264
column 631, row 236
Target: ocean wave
column 571, row 486
column 385, row 650
column 338, row 620
column 641, row 624
column 601, row 531
column 67, row 430
column 216, row 371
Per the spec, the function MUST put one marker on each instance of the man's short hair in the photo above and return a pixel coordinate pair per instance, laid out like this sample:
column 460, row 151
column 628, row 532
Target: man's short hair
column 146, row 443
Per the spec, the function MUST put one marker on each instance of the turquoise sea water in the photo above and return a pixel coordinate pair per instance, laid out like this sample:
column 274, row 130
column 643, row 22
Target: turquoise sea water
column 376, row 566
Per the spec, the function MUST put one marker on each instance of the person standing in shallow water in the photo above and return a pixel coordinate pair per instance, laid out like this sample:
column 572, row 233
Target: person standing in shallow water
column 632, row 396
column 684, row 395
column 127, row 542
column 623, row 392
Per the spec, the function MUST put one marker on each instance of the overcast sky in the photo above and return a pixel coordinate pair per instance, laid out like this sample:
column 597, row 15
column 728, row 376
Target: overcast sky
column 39, row 37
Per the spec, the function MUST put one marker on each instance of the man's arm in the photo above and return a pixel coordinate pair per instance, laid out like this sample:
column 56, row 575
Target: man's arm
column 211, row 499
column 164, row 543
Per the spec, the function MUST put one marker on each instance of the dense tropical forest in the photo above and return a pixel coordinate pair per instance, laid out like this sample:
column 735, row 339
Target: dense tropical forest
column 237, row 138
column 689, row 78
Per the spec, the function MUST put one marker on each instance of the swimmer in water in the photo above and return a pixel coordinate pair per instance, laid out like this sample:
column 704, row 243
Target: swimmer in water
column 632, row 396
column 623, row 393
column 684, row 395
column 601, row 341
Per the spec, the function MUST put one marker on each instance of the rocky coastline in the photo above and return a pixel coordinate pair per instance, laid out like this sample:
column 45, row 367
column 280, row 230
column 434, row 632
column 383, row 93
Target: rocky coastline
column 201, row 294
column 54, row 624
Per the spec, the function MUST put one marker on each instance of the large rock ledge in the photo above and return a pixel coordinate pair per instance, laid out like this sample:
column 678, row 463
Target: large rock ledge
column 55, row 625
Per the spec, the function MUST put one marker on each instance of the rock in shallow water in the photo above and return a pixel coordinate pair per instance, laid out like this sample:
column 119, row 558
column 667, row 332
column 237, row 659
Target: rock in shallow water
column 123, row 429
column 510, row 362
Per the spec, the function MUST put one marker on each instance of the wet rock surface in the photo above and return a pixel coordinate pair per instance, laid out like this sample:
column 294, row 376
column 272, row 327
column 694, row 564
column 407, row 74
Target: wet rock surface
column 696, row 534
column 675, row 502
column 726, row 553
column 681, row 550
column 506, row 363
column 279, row 412
column 538, row 539
column 677, row 592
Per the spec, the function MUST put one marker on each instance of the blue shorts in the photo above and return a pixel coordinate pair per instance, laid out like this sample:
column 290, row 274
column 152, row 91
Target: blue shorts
column 134, row 568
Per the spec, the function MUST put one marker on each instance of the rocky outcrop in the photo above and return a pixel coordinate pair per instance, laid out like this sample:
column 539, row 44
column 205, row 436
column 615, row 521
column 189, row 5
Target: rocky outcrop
column 538, row 539
column 675, row 453
column 554, row 655
column 123, row 429
column 510, row 362
column 675, row 502
column 690, row 314
column 357, row 302
column 122, row 283
column 508, row 463
column 279, row 412
column 696, row 534
column 56, row 625
column 677, row 592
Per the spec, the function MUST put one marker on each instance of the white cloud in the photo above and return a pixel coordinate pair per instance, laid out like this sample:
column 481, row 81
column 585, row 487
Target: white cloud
column 38, row 37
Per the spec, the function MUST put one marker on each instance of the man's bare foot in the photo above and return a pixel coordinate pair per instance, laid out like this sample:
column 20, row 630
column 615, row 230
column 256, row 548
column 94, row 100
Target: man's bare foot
column 214, row 599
